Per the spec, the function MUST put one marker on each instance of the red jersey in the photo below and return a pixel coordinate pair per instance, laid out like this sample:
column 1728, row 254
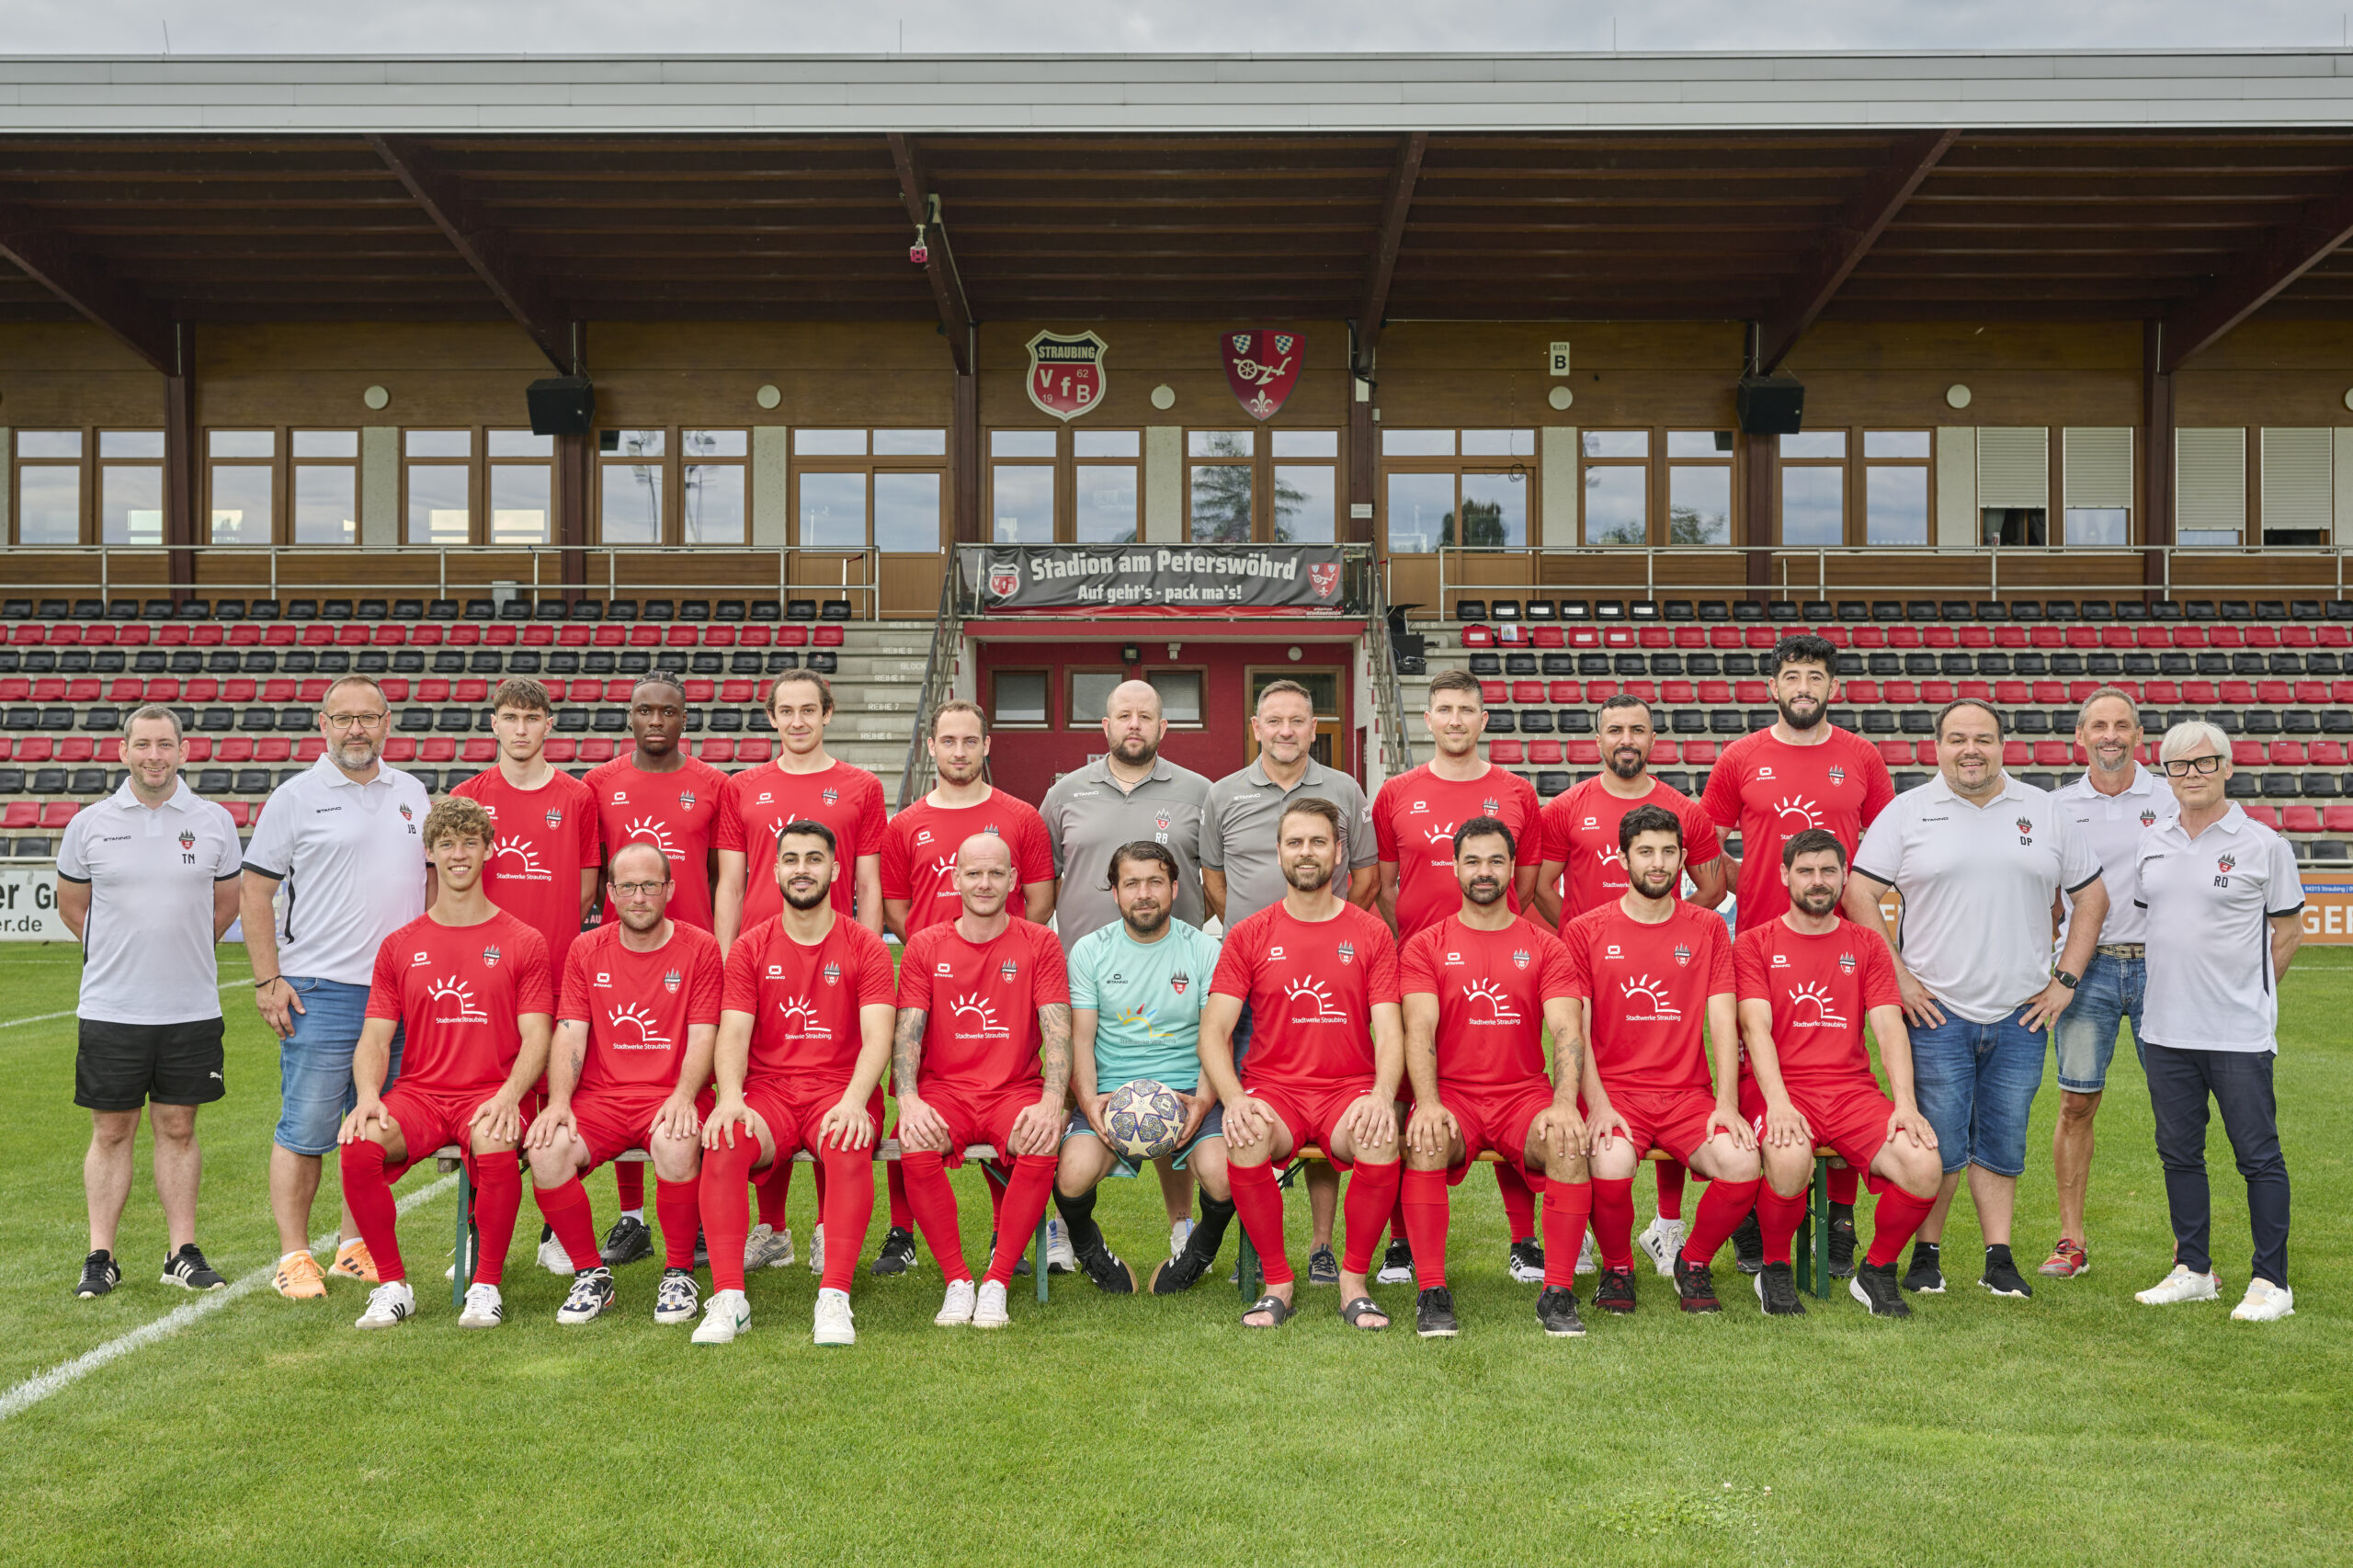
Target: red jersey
column 982, row 1036
column 919, row 848
column 547, row 836
column 1772, row 792
column 759, row 801
column 804, row 1003
column 1650, row 985
column 1491, row 988
column 638, row 1007
column 1580, row 834
column 677, row 812
column 1822, row 988
column 1312, row 989
column 1413, row 819
column 457, row 992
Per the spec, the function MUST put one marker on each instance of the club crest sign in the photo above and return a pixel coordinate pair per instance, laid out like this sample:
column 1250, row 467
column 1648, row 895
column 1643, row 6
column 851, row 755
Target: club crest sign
column 1066, row 372
column 1262, row 367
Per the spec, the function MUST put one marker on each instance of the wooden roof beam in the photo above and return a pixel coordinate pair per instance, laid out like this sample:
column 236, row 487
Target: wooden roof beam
column 482, row 244
column 1850, row 238
column 51, row 259
column 939, row 270
column 2284, row 254
column 1374, row 302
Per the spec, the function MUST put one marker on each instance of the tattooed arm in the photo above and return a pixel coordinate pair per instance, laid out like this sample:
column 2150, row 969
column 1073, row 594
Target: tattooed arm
column 1038, row 1128
column 920, row 1127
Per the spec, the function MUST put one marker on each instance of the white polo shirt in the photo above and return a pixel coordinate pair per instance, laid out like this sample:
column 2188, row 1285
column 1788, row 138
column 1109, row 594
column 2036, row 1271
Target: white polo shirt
column 147, row 949
column 2112, row 825
column 350, row 861
column 2210, row 952
column 1977, row 884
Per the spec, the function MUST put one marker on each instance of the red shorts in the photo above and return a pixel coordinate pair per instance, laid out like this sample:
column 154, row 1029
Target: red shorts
column 1494, row 1116
column 1849, row 1115
column 1672, row 1119
column 985, row 1118
column 613, row 1121
column 429, row 1120
column 796, row 1122
column 1310, row 1111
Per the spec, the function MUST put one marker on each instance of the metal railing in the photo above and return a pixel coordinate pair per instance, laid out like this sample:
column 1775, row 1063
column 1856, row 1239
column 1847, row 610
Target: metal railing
column 939, row 679
column 1388, row 691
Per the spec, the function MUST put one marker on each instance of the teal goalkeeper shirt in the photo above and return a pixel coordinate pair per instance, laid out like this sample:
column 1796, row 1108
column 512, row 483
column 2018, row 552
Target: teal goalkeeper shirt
column 1147, row 998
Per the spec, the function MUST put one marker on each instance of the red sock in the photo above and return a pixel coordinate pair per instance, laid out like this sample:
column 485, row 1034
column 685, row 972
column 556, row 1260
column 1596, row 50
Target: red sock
column 1778, row 1218
column 1260, row 1202
column 1366, row 1211
column 1520, row 1200
column 1845, row 1180
column 679, row 1206
column 1613, row 1224
column 894, row 1182
column 1898, row 1216
column 629, row 1183
column 369, row 1191
column 726, row 1210
column 568, row 1214
column 846, row 1180
column 1422, row 1194
column 933, row 1202
column 1397, row 1231
column 498, row 1198
column 1568, row 1209
column 1018, row 1211
column 1670, row 1190
column 774, row 1186
column 817, row 1176
column 1722, row 1209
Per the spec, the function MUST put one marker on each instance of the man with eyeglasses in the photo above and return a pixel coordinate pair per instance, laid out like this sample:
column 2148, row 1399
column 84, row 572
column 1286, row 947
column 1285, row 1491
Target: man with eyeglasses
column 343, row 842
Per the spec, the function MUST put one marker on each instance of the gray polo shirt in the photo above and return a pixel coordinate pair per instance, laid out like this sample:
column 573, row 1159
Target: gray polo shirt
column 1238, row 831
column 1088, row 815
column 147, row 950
column 2112, row 824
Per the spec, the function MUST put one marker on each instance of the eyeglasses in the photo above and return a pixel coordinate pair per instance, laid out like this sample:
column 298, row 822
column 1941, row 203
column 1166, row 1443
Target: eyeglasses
column 637, row 889
column 2182, row 766
column 355, row 721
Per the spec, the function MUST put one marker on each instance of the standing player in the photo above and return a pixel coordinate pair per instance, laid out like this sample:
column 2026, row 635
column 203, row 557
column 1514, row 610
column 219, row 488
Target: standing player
column 804, row 1036
column 469, row 984
column 1326, row 1051
column 1653, row 969
column 636, row 1018
column 1771, row 785
column 1480, row 989
column 1809, row 981
column 545, row 867
column 982, row 1055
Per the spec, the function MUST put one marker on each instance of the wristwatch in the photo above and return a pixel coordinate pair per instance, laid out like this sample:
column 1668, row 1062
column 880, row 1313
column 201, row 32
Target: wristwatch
column 2064, row 978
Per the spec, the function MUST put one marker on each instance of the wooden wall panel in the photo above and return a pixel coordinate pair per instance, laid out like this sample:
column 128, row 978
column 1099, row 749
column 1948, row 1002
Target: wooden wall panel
column 73, row 373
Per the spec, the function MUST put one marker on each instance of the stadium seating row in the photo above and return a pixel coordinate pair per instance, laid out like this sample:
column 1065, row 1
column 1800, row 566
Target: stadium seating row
column 374, row 609
column 2084, row 639
column 175, row 634
column 1851, row 612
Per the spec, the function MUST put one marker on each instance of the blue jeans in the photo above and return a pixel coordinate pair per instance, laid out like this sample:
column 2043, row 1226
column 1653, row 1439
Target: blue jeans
column 2239, row 1083
column 1976, row 1085
column 2085, row 1035
column 314, row 1064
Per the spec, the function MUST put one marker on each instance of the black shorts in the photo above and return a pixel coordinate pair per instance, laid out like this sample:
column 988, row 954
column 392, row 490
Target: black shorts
column 124, row 1066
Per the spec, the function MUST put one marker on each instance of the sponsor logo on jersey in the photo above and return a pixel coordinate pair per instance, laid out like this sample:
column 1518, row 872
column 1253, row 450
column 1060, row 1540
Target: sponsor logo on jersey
column 1442, row 833
column 1347, row 951
column 647, row 830
column 1814, row 994
column 1499, row 1007
column 1652, row 994
column 945, row 969
column 1309, row 1004
column 672, row 980
column 420, row 958
column 1612, row 952
column 923, row 835
column 1798, row 806
column 775, row 970
column 1765, row 771
column 833, row 973
column 1781, row 961
column 641, row 1019
column 1276, row 951
column 1453, row 959
column 453, row 990
column 800, row 1017
column 981, row 1015
column 604, row 978
column 1520, row 958
column 490, row 955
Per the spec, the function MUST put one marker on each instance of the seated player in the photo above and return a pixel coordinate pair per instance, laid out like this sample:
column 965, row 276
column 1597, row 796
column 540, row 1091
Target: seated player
column 636, row 1019
column 469, row 985
column 1653, row 970
column 1481, row 987
column 1136, row 992
column 1809, row 981
column 1326, row 1051
column 804, row 1033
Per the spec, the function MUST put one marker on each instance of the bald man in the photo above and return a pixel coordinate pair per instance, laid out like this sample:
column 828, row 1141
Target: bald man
column 1128, row 794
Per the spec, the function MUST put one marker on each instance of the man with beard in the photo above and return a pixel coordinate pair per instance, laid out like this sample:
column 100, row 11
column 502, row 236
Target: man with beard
column 545, row 868
column 1770, row 784
column 1132, row 792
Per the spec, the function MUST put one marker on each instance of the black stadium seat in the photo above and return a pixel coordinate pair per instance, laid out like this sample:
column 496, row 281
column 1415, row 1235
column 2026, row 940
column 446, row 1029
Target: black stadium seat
column 215, row 781
column 157, row 609
column 335, row 610
column 766, row 609
column 457, row 721
column 253, row 782
column 661, row 609
column 90, row 782
column 1550, row 783
column 12, row 781
column 49, row 781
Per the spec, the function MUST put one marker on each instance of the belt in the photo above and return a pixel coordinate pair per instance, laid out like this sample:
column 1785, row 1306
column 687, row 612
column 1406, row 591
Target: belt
column 2124, row 950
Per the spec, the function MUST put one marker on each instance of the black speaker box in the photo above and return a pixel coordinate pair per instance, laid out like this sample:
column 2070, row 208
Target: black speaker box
column 1770, row 405
column 562, row 406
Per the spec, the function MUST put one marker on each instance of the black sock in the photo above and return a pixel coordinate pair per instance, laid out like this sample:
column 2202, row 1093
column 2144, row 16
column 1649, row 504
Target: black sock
column 1078, row 1213
column 1920, row 1248
column 1208, row 1233
column 1997, row 1252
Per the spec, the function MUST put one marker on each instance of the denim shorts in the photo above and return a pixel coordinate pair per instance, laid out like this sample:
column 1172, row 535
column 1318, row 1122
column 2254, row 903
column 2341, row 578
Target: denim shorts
column 314, row 1064
column 2085, row 1033
column 1976, row 1085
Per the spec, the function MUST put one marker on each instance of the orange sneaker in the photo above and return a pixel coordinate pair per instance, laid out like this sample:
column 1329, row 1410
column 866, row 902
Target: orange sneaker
column 298, row 1277
column 2066, row 1260
column 352, row 1262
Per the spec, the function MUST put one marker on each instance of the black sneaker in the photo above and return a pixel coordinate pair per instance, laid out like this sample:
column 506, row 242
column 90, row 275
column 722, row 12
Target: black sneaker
column 1179, row 1273
column 99, row 1275
column 1694, row 1286
column 1556, row 1309
column 1777, row 1288
column 1323, row 1268
column 629, row 1240
column 898, row 1255
column 1434, row 1314
column 1925, row 1276
column 2002, row 1277
column 1842, row 1242
column 1748, row 1246
column 702, row 1250
column 188, row 1269
column 591, row 1293
column 1020, row 1265
column 1877, row 1289
column 1616, row 1291
column 1397, row 1264
column 1110, row 1276
column 1526, row 1264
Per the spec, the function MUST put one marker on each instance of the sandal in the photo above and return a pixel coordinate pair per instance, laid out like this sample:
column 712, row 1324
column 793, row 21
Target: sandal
column 1353, row 1314
column 1276, row 1306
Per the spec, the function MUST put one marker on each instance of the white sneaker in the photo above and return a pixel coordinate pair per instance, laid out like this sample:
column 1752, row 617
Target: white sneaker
column 1662, row 1240
column 1587, row 1263
column 767, row 1248
column 989, row 1311
column 2266, row 1303
column 483, row 1308
column 834, row 1318
column 1060, row 1257
column 725, row 1316
column 817, row 1250
column 1179, row 1234
column 2181, row 1285
column 553, row 1258
column 387, row 1306
column 676, row 1299
column 955, row 1307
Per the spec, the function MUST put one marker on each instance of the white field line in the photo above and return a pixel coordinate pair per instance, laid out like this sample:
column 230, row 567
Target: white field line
column 45, row 1017
column 33, row 1390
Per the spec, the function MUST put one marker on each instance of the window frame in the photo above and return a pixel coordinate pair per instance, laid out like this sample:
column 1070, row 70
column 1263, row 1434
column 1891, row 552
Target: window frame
column 1858, row 529
column 1033, row 726
column 672, row 462
column 1528, row 469
column 1662, row 528
column 85, row 482
column 1653, row 494
column 471, row 464
column 292, row 465
column 870, row 465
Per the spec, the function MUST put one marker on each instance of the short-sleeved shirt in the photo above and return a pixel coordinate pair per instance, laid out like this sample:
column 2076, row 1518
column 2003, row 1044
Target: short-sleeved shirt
column 1088, row 815
column 1649, row 987
column 639, row 1005
column 1312, row 987
column 2209, row 950
column 1581, row 834
column 804, row 1000
column 1822, row 989
column 349, row 862
column 981, row 1035
column 1147, row 999
column 676, row 811
column 460, row 993
column 1978, row 883
column 2112, row 825
column 1772, row 792
column 919, row 848
column 547, row 836
column 1240, row 830
column 1413, row 819
column 147, row 947
column 759, row 801
column 1491, row 988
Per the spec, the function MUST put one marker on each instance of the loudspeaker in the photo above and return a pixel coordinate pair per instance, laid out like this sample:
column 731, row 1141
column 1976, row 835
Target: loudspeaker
column 1770, row 405
column 562, row 406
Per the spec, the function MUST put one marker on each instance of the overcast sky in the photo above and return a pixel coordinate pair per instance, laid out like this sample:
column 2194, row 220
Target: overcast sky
column 637, row 27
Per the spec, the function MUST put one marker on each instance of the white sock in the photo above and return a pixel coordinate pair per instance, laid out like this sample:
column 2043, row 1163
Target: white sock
column 636, row 1214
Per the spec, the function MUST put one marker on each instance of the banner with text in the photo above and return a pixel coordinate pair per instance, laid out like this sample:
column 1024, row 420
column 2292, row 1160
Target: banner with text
column 1158, row 579
column 28, row 905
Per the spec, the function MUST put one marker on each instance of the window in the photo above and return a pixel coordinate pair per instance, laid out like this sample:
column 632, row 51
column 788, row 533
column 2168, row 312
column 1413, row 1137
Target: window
column 2014, row 485
column 713, row 489
column 130, row 487
column 1090, row 695
column 436, row 484
column 854, row 489
column 1021, row 485
column 1017, row 699
column 2299, row 486
column 1220, row 466
column 49, row 486
column 1277, row 486
column 1616, row 486
column 239, row 468
column 1449, row 489
column 326, row 489
column 2210, row 485
column 630, row 477
column 1104, row 486
column 1307, row 486
column 1180, row 696
column 1698, row 486
column 1895, row 486
column 1813, row 488
column 2097, row 477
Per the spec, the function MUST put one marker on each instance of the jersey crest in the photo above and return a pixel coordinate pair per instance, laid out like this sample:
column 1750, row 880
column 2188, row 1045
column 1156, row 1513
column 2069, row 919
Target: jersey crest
column 1847, row 963
column 2148, row 817
column 1347, row 951
column 671, row 980
column 1683, row 955
column 188, row 838
column 2025, row 829
column 555, row 816
column 1177, row 982
column 686, row 800
column 1491, row 807
column 833, row 973
column 1008, row 968
column 407, row 815
column 831, row 795
column 1520, row 958
column 490, row 955
column 1838, row 775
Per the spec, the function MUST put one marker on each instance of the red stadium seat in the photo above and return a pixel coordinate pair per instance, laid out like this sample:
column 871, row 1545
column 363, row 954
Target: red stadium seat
column 1541, row 636
column 313, row 691
column 2274, row 693
column 273, row 748
column 1567, row 692
column 439, row 748
column 645, row 637
column 400, row 748
column 757, row 749
column 34, row 748
column 1645, row 689
column 610, row 636
column 49, row 689
column 2050, row 693
column 1723, row 637
column 14, row 688
column 2299, row 818
column 2115, row 637
column 436, row 691
column 125, row 688
column 1547, row 753
column 1936, row 693
column 2296, row 636
column 2341, row 691
column 237, row 688
column 2261, row 811
column 390, row 636
column 562, row 749
column 203, row 688
column 1762, row 637
column 20, row 813
column 2016, row 754
column 351, row 637
column 162, row 688
column 57, row 813
column 2238, row 693
column 2189, row 637
column 498, row 636
column 2054, row 753
column 831, row 637
column 25, row 634
column 1752, row 693
column 76, row 748
column 236, row 748
column 427, row 636
column 537, row 636
column 278, row 692
column 480, row 750
column 1686, row 637
column 1871, row 636
column 1976, row 636
column 743, row 690
column 199, row 748
column 310, row 748
column 1932, row 636
column 1901, row 692
column 2328, row 754
column 1896, row 754
column 574, row 636
column 84, row 689
column 2227, row 636
column 2313, row 694
column 1657, row 637
column 2286, row 753
column 1505, row 753
column 98, row 636
column 1600, row 691
column 110, row 749
column 2009, row 637
column 1699, row 753
column 2261, row 636
column 1523, row 691
column 756, row 636
column 2047, row 637
column 1864, row 691
column 241, row 813
column 798, row 636
column 1664, row 753
column 316, row 636
column 395, row 687
column 717, row 749
column 2337, row 818
column 1715, row 693
column 618, row 690
column 2199, row 692
column 2161, row 694
column 2246, row 754
column 595, row 751
column 1584, row 753
column 470, row 691
column 2082, row 637
column 2334, row 636
column 699, row 692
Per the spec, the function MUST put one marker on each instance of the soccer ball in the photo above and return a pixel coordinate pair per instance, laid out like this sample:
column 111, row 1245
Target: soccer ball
column 1144, row 1119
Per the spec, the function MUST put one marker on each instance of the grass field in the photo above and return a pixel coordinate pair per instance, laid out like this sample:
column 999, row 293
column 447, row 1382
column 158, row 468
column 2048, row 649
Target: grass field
column 2077, row 1425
